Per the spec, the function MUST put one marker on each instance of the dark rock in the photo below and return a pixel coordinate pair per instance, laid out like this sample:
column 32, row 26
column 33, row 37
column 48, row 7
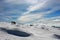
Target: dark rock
column 56, row 26
column 13, row 22
column 31, row 25
column 56, row 36
column 42, row 28
column 53, row 26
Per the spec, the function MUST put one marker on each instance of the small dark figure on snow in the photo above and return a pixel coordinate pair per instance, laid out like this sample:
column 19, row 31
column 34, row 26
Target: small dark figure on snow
column 13, row 22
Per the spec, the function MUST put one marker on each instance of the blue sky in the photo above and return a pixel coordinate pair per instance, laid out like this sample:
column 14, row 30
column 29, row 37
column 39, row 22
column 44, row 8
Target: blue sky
column 53, row 14
column 25, row 11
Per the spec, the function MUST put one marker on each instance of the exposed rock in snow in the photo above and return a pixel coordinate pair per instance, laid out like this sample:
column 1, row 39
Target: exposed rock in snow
column 56, row 36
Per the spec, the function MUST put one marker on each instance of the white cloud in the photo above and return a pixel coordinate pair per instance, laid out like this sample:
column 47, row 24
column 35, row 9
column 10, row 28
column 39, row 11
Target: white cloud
column 56, row 19
column 26, row 17
column 32, row 1
column 15, row 1
column 29, row 17
column 49, row 21
column 35, row 7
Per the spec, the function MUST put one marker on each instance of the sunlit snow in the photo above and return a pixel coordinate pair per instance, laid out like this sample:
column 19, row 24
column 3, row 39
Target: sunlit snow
column 37, row 32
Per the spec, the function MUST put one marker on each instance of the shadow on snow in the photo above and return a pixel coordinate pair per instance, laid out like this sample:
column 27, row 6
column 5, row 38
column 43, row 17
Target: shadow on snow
column 16, row 32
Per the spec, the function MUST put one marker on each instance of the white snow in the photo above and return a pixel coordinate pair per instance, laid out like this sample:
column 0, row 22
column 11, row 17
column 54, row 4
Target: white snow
column 35, row 30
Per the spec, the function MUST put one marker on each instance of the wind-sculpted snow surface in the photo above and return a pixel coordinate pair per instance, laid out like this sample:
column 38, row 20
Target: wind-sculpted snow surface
column 28, row 32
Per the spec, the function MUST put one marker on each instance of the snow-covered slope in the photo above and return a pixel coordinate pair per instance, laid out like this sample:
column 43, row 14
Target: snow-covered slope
column 38, row 32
